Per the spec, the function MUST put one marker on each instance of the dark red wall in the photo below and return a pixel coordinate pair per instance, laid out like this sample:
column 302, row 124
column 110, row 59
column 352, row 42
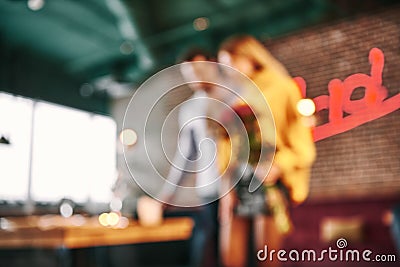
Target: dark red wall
column 376, row 235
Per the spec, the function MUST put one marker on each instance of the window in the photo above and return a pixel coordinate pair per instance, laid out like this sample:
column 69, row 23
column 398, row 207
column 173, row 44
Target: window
column 15, row 126
column 73, row 154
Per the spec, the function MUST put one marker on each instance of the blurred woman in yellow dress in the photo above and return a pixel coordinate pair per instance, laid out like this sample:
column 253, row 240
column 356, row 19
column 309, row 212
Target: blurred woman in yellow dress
column 290, row 169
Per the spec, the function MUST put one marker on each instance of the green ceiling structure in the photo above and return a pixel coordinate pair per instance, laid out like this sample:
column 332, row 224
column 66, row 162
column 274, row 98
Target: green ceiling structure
column 60, row 50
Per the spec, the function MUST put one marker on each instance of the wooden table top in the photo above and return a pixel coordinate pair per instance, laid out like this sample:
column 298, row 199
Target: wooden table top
column 79, row 232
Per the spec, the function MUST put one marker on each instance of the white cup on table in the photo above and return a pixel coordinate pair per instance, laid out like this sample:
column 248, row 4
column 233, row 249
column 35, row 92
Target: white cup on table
column 150, row 211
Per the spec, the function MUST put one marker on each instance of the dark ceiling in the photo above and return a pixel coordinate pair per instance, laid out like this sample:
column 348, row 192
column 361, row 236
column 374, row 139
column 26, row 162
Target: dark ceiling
column 73, row 51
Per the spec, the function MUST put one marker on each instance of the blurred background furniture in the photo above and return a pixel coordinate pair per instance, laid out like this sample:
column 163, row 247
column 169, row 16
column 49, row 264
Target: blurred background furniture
column 65, row 235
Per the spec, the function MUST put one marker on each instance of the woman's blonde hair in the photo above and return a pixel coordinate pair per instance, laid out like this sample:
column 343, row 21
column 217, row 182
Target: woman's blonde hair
column 248, row 46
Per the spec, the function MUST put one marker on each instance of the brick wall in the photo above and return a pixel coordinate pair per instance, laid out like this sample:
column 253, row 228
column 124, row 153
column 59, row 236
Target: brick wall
column 364, row 161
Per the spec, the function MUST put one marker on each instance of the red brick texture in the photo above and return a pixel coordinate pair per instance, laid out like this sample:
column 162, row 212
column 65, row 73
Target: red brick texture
column 364, row 161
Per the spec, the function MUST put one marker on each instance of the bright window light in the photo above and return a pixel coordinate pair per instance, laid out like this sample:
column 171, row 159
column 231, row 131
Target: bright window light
column 103, row 164
column 73, row 155
column 15, row 125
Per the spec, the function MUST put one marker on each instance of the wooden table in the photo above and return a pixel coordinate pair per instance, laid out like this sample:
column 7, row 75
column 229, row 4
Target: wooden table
column 58, row 232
